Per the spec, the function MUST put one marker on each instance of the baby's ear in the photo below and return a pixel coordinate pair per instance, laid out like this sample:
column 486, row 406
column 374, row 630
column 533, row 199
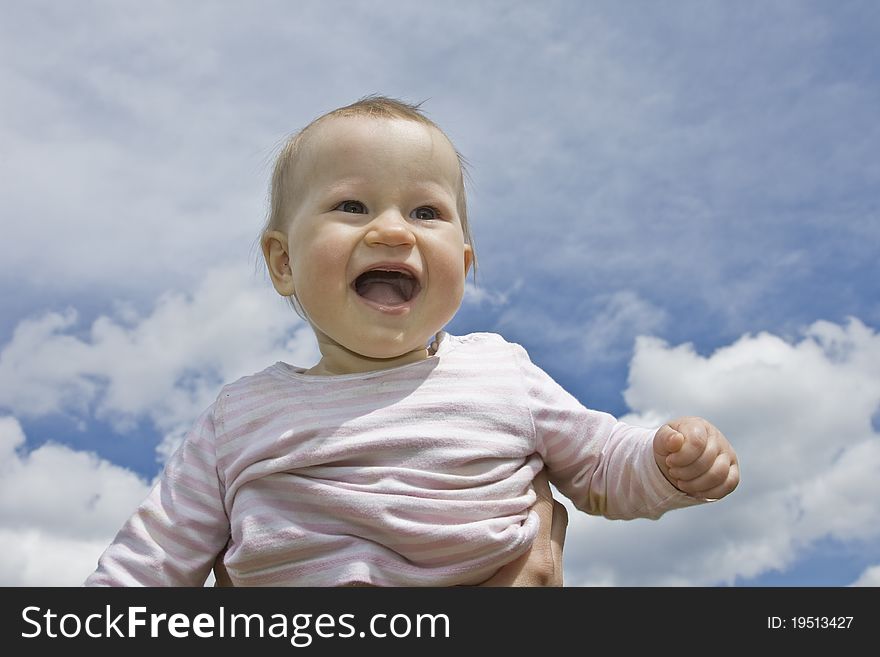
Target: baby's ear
column 468, row 258
column 277, row 256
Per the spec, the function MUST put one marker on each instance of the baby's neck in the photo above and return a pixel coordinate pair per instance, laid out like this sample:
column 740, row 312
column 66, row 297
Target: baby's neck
column 336, row 360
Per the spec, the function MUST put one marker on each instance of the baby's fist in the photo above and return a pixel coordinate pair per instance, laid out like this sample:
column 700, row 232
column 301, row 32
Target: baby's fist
column 696, row 458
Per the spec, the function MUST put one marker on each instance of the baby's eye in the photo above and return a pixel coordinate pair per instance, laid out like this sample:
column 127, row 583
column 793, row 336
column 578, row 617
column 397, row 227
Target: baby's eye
column 425, row 213
column 355, row 207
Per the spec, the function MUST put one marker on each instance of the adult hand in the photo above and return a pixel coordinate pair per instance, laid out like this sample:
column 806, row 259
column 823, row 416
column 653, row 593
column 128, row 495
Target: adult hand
column 221, row 576
column 542, row 564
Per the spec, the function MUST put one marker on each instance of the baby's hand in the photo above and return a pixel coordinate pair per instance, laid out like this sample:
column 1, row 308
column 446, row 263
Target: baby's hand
column 696, row 458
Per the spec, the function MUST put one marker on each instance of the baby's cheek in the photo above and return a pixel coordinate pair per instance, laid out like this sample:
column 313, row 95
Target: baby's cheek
column 326, row 262
column 327, row 247
column 320, row 279
column 451, row 277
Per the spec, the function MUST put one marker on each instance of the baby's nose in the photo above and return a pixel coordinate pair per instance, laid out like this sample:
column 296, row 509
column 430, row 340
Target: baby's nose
column 390, row 229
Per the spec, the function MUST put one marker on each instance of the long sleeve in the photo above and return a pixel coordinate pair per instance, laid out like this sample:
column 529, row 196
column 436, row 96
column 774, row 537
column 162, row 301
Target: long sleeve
column 604, row 466
column 174, row 536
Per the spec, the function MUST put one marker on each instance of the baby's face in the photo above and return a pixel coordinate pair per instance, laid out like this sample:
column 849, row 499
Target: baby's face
column 377, row 253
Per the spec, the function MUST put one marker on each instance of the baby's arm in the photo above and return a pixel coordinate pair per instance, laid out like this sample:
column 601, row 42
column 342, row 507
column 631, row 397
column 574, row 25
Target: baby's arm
column 621, row 471
column 610, row 468
column 174, row 535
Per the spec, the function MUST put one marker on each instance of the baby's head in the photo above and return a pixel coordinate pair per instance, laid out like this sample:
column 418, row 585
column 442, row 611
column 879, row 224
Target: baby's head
column 367, row 230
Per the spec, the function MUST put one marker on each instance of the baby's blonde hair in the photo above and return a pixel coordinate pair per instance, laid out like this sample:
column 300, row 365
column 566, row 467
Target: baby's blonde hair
column 375, row 106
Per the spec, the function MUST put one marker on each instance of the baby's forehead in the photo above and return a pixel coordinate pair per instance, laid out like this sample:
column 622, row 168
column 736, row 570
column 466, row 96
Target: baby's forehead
column 337, row 142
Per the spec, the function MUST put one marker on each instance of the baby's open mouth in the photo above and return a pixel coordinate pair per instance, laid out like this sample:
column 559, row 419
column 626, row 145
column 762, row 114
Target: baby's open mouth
column 386, row 287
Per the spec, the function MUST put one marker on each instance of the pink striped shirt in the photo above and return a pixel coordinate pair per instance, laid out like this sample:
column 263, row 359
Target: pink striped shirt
column 419, row 475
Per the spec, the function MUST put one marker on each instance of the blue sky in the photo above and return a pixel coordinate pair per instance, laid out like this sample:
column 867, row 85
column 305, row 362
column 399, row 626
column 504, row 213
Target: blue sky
column 676, row 210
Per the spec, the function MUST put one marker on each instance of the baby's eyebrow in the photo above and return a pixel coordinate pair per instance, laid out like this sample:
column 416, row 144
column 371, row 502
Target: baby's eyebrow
column 355, row 185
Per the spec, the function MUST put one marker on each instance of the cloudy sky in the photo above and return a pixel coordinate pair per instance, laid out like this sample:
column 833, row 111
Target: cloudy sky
column 676, row 210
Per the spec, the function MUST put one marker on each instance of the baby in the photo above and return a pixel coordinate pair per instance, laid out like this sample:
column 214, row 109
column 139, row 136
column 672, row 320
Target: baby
column 406, row 456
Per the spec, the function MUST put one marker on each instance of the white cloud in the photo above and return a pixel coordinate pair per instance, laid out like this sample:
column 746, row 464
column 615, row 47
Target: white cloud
column 59, row 509
column 870, row 577
column 166, row 367
column 800, row 417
